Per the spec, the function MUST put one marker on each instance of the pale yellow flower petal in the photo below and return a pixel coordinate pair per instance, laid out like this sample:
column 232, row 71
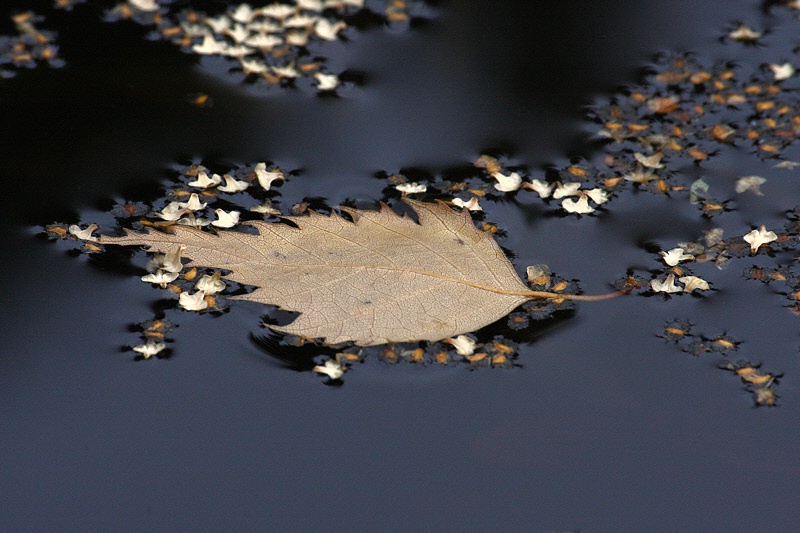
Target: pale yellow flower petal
column 692, row 283
column 332, row 368
column 226, row 219
column 193, row 302
column 507, row 183
column 464, row 345
column 759, row 236
column 667, row 285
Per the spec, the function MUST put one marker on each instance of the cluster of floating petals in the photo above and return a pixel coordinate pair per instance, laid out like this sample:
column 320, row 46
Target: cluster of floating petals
column 576, row 200
column 668, row 286
column 267, row 43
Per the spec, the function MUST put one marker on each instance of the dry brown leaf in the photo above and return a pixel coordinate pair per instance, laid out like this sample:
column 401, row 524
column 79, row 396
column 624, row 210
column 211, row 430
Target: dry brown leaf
column 382, row 278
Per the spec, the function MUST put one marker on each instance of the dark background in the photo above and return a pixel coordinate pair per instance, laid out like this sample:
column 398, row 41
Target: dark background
column 604, row 428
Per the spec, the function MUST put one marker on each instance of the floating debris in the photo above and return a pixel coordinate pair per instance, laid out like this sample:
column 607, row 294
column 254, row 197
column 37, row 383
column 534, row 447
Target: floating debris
column 30, row 48
column 271, row 45
column 760, row 385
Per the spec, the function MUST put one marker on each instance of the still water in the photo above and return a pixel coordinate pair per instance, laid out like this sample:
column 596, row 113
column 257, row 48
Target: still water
column 603, row 427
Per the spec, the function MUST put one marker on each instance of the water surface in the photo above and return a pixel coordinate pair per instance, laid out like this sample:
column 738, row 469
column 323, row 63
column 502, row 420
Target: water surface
column 605, row 427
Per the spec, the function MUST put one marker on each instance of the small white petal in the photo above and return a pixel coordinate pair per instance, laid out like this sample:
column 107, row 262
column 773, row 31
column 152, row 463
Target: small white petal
column 745, row 34
column 333, row 369
column 209, row 46
column 253, row 66
column 542, row 188
column 640, row 176
column 193, row 221
column 339, row 4
column 653, row 161
column 297, row 38
column 83, row 234
column 411, row 188
column 698, row 191
column 210, row 284
column 226, row 219
column 310, row 5
column 509, row 183
column 219, row 24
column 788, row 165
column 536, row 271
column 326, row 82
column 598, row 196
column 171, row 262
column 238, row 51
column 243, row 13
column 667, row 285
column 713, row 236
column 238, row 33
column 160, row 277
column 580, row 206
column 675, row 256
column 149, row 349
column 328, row 30
column 471, row 205
column 265, row 178
column 263, row 42
column 144, row 5
column 277, row 11
column 782, row 72
column 286, row 71
column 759, row 236
column 194, row 30
column 464, row 345
column 265, row 209
column 194, row 203
column 193, row 302
column 173, row 211
column 750, row 183
column 232, row 185
column 300, row 21
column 567, row 189
column 204, row 182
column 694, row 283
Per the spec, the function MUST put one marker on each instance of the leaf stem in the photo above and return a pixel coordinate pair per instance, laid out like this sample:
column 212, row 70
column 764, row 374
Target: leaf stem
column 579, row 297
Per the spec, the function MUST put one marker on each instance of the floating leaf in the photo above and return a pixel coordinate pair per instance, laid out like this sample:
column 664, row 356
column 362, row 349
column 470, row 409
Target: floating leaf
column 381, row 278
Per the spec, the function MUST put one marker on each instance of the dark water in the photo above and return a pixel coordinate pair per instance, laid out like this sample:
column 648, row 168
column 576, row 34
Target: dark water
column 605, row 427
